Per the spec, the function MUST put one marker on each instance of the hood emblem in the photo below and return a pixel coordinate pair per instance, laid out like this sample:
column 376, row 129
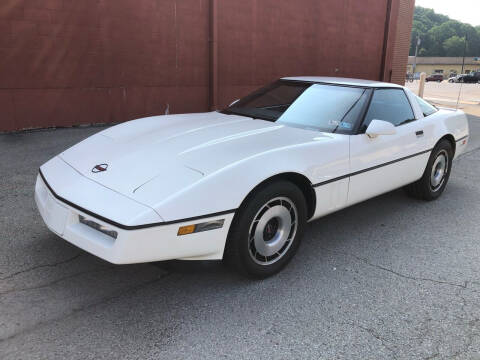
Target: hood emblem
column 99, row 168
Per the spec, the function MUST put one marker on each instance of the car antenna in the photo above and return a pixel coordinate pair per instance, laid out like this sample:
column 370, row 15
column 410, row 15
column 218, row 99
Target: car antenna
column 459, row 93
column 463, row 67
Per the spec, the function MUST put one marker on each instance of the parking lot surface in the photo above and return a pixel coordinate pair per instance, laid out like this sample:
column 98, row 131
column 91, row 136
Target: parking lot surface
column 447, row 94
column 390, row 278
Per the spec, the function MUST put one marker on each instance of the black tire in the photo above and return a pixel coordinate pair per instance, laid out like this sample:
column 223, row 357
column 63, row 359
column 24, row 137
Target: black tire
column 240, row 250
column 427, row 188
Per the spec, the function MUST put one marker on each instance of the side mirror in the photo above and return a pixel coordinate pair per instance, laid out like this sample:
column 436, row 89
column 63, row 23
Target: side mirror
column 380, row 127
column 233, row 103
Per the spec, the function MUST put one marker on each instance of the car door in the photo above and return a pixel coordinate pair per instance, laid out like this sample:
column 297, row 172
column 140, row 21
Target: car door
column 387, row 162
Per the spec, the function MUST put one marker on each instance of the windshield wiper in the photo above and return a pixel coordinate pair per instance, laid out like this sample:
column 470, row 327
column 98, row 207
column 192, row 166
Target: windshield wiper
column 254, row 113
column 230, row 112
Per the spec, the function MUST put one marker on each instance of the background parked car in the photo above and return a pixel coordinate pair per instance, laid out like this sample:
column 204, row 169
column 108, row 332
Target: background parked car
column 454, row 79
column 473, row 77
column 435, row 77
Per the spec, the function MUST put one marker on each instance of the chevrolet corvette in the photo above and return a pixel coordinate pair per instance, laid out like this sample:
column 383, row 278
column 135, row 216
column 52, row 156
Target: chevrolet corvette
column 240, row 184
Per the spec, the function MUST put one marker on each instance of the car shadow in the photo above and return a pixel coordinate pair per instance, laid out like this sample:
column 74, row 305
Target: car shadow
column 320, row 233
column 191, row 266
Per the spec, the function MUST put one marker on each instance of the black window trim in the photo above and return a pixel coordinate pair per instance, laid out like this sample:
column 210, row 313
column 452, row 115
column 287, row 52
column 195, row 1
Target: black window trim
column 359, row 130
column 370, row 89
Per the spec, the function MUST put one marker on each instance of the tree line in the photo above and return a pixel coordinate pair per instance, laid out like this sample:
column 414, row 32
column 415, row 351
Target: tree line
column 442, row 36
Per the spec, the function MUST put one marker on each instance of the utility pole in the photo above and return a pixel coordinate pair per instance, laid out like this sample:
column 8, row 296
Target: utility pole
column 464, row 52
column 419, row 41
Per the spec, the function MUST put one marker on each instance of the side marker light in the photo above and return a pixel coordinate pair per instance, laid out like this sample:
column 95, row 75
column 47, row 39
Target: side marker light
column 195, row 228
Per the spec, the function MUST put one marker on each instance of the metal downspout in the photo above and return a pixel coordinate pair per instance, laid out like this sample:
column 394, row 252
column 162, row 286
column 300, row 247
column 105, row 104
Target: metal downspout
column 213, row 55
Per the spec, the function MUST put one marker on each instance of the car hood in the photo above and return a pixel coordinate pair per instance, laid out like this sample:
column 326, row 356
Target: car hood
column 177, row 149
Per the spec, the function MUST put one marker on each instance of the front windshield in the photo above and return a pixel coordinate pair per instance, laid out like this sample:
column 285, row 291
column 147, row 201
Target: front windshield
column 321, row 107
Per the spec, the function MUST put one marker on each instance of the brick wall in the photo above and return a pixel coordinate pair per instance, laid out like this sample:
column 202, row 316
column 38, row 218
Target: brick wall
column 402, row 41
column 67, row 62
column 261, row 40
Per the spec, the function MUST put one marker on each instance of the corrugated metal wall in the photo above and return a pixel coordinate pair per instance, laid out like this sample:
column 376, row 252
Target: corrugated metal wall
column 66, row 62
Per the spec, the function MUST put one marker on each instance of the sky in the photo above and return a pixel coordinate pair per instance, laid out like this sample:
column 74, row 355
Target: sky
column 467, row 11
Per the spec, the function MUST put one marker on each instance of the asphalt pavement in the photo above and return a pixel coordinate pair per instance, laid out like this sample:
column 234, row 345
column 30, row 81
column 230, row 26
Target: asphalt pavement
column 390, row 278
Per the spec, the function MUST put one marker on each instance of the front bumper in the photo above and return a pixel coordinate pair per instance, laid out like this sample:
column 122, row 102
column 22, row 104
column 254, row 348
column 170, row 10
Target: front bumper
column 155, row 243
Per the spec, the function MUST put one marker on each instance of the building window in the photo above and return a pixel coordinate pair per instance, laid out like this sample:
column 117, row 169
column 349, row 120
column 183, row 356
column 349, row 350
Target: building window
column 439, row 71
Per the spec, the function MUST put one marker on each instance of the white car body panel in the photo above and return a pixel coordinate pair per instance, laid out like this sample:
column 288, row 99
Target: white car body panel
column 131, row 246
column 165, row 172
column 369, row 152
column 85, row 193
column 180, row 166
column 331, row 197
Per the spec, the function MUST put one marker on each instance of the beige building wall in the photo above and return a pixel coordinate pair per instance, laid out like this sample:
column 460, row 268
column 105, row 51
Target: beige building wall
column 444, row 69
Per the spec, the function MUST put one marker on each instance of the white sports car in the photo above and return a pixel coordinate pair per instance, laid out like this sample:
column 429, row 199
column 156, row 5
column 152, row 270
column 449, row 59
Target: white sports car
column 241, row 184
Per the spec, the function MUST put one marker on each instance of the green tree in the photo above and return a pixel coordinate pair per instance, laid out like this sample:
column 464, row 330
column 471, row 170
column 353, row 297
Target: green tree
column 454, row 46
column 440, row 35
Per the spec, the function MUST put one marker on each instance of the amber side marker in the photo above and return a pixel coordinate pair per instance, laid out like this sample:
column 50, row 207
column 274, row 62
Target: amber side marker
column 195, row 228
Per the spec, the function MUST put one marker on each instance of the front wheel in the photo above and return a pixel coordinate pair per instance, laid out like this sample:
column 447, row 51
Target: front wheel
column 436, row 175
column 266, row 232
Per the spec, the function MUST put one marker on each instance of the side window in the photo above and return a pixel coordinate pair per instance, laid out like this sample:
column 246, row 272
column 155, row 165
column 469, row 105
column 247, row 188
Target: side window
column 427, row 109
column 389, row 105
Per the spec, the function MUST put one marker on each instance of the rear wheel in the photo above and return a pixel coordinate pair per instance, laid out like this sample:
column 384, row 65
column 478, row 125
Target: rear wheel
column 267, row 231
column 436, row 175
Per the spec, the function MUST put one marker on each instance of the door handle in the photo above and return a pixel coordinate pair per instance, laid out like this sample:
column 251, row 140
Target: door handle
column 419, row 133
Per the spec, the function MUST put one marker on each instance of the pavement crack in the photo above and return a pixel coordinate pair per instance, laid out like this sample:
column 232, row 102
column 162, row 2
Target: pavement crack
column 81, row 308
column 42, row 266
column 396, row 273
column 377, row 336
column 56, row 281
